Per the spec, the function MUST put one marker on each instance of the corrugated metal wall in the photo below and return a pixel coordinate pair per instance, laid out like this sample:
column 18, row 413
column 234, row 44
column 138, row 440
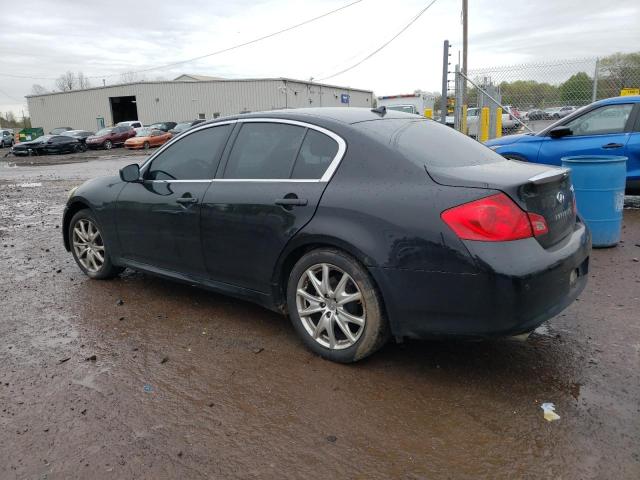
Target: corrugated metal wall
column 176, row 101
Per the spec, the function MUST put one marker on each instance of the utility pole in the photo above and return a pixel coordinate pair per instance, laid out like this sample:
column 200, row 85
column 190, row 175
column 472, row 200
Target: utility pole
column 445, row 83
column 465, row 16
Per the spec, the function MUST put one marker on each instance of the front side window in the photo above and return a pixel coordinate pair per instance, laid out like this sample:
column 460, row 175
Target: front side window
column 193, row 157
column 264, row 151
column 603, row 120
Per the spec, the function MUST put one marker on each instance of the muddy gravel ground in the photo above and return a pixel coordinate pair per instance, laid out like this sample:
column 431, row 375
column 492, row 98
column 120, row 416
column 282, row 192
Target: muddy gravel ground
column 143, row 378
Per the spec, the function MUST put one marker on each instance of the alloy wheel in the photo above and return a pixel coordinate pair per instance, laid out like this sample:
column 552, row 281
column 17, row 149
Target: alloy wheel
column 330, row 306
column 108, row 145
column 88, row 245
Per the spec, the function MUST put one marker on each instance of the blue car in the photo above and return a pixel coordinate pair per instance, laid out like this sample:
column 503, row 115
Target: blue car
column 606, row 127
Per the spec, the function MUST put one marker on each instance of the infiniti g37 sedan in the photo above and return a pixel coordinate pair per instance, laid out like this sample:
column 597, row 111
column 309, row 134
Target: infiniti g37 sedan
column 361, row 225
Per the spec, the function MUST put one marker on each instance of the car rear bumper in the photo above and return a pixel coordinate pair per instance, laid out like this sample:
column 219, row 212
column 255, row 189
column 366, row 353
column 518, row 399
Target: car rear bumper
column 518, row 286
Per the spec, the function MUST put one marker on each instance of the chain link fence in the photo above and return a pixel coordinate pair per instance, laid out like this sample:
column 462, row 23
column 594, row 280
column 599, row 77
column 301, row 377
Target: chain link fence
column 532, row 96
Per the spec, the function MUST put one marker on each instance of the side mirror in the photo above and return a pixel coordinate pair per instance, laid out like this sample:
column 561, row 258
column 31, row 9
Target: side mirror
column 130, row 173
column 560, row 132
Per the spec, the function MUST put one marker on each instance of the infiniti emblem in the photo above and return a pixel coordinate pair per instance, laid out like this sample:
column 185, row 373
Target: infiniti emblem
column 560, row 197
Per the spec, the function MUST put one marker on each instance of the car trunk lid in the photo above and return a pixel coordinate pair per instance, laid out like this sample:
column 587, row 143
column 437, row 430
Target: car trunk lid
column 539, row 189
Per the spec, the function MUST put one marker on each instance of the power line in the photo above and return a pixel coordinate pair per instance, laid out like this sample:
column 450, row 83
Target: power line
column 11, row 97
column 218, row 52
column 384, row 44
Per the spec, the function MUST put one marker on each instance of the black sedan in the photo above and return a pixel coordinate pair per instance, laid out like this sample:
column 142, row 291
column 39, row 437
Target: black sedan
column 48, row 144
column 80, row 135
column 184, row 126
column 359, row 224
column 164, row 126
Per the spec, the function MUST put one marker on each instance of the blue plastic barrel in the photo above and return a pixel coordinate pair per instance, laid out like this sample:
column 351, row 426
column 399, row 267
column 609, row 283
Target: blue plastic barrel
column 599, row 183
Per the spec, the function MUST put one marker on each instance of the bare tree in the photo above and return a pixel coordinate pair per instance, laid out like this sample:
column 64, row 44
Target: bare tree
column 66, row 82
column 83, row 81
column 37, row 89
column 72, row 81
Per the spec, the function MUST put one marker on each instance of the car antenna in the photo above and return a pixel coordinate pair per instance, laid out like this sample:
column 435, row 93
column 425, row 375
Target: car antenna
column 382, row 111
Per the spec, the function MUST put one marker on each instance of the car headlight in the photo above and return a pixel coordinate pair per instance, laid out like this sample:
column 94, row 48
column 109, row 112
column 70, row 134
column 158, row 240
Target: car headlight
column 495, row 147
column 72, row 191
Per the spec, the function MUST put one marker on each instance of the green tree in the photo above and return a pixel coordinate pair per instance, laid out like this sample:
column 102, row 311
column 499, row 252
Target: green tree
column 577, row 90
column 618, row 71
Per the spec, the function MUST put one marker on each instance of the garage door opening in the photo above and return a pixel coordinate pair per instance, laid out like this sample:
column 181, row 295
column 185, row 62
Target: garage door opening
column 123, row 109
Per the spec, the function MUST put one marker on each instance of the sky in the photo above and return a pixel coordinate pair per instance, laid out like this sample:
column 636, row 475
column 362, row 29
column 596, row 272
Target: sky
column 106, row 39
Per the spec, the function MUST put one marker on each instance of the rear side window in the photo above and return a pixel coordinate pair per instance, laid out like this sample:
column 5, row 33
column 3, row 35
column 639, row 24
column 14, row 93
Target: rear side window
column 193, row 157
column 428, row 143
column 264, row 151
column 316, row 153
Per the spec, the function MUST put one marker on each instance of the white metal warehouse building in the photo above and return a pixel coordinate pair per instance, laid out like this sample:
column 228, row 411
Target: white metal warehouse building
column 188, row 97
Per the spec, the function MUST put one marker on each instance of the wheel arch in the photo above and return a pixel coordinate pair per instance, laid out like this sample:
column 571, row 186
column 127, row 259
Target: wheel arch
column 297, row 249
column 69, row 212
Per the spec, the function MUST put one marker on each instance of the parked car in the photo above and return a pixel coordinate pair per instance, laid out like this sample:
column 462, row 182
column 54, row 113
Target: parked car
column 473, row 121
column 184, row 126
column 537, row 114
column 513, row 111
column 6, row 138
column 564, row 111
column 164, row 126
column 59, row 130
column 147, row 137
column 131, row 123
column 48, row 144
column 109, row 137
column 606, row 127
column 301, row 213
column 80, row 135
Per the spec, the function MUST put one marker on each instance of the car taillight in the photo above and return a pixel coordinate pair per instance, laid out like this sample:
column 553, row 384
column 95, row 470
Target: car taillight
column 495, row 218
column 538, row 224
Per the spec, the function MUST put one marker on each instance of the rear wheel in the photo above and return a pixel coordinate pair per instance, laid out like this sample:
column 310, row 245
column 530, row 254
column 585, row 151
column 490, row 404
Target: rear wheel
column 335, row 307
column 88, row 247
column 108, row 145
column 146, row 145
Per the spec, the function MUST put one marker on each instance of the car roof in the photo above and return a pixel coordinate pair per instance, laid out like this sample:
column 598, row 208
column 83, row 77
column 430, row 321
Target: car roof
column 616, row 100
column 347, row 115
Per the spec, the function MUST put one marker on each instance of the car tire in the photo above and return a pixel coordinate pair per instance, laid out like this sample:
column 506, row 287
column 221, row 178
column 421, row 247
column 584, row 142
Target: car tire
column 108, row 145
column 146, row 145
column 83, row 228
column 355, row 306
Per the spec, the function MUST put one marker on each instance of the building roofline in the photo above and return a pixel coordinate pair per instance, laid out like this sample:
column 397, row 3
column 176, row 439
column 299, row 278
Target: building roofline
column 173, row 82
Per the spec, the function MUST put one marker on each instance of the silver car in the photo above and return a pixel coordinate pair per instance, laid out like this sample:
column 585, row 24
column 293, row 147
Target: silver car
column 6, row 138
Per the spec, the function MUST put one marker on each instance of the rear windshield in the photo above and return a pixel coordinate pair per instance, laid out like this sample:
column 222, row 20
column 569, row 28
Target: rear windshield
column 426, row 142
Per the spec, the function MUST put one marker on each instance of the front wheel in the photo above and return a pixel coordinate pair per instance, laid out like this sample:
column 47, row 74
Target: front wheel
column 146, row 145
column 108, row 145
column 335, row 307
column 88, row 247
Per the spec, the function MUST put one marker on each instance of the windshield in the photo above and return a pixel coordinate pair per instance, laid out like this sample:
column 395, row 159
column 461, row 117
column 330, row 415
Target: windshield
column 104, row 131
column 144, row 132
column 182, row 126
column 428, row 143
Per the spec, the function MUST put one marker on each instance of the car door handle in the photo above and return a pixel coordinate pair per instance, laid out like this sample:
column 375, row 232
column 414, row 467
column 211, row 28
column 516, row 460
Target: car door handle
column 613, row 145
column 292, row 202
column 186, row 200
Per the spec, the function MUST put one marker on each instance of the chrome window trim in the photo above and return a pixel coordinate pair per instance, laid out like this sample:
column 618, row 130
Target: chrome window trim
column 175, row 139
column 326, row 176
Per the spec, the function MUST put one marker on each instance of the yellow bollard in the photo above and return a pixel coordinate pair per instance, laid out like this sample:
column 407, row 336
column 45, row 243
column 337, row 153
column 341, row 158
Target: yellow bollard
column 463, row 120
column 498, row 122
column 484, row 124
column 428, row 112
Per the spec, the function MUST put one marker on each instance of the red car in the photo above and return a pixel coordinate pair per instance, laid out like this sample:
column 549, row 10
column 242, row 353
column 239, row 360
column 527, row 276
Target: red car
column 109, row 137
